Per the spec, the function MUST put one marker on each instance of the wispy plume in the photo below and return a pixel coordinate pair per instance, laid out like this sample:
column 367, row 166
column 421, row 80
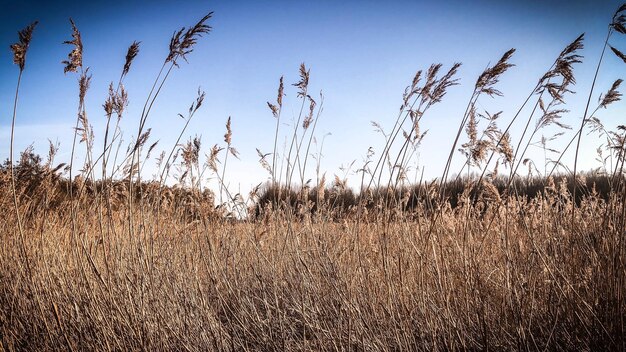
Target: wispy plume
column 613, row 95
column 133, row 50
column 490, row 77
column 75, row 57
column 183, row 41
column 303, row 83
column 20, row 48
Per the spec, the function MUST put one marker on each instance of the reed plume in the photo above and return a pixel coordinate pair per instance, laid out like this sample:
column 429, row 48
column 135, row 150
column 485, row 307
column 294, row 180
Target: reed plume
column 21, row 47
column 184, row 40
column 133, row 50
column 75, row 57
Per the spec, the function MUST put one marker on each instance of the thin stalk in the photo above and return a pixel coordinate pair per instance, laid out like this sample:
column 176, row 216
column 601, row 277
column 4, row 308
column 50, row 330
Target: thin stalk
column 294, row 139
column 446, row 170
column 222, row 185
column 308, row 147
column 400, row 120
column 584, row 121
column 13, row 187
column 280, row 108
column 135, row 152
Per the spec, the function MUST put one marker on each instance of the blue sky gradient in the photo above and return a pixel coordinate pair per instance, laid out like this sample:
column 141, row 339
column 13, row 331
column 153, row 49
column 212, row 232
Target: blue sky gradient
column 361, row 55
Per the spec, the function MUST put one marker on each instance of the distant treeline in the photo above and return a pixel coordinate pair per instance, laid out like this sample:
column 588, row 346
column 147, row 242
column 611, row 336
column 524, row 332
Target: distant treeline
column 48, row 190
column 343, row 200
column 41, row 181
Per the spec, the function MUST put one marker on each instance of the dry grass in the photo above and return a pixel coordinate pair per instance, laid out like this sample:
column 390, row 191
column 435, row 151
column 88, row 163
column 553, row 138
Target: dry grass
column 116, row 262
column 529, row 280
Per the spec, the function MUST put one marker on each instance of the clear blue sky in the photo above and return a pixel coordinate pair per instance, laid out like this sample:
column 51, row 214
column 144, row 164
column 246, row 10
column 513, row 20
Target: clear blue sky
column 361, row 54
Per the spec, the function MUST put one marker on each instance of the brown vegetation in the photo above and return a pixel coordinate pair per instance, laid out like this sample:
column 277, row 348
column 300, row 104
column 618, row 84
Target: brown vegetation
column 487, row 261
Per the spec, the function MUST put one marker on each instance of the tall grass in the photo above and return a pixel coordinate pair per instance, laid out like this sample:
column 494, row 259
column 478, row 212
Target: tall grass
column 483, row 260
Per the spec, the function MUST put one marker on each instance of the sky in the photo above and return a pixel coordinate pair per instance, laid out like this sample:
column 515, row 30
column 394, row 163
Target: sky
column 361, row 55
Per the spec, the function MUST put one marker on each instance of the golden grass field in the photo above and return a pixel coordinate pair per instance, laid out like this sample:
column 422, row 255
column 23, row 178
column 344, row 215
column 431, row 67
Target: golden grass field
column 495, row 261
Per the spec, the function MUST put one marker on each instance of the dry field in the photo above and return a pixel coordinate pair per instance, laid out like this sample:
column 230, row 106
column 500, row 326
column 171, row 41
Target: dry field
column 114, row 261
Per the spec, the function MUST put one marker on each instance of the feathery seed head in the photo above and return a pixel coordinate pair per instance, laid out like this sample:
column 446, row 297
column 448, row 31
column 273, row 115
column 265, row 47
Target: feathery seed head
column 212, row 157
column 487, row 80
column 19, row 49
column 472, row 125
column 191, row 152
column 431, row 78
column 83, row 84
column 121, row 101
column 108, row 104
column 279, row 99
column 563, row 69
column 479, row 152
column 490, row 192
column 199, row 100
column 229, row 133
column 75, row 57
column 612, row 95
column 274, row 109
column 303, row 84
column 263, row 160
column 281, row 87
column 574, row 46
column 618, row 54
column 116, row 101
column 505, row 148
column 619, row 20
column 441, row 85
column 132, row 52
column 309, row 118
column 183, row 41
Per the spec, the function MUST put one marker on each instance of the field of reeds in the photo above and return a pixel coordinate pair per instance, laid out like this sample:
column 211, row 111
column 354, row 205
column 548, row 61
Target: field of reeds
column 498, row 255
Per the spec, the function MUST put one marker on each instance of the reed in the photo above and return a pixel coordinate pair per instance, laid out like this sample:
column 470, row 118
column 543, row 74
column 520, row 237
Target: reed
column 481, row 260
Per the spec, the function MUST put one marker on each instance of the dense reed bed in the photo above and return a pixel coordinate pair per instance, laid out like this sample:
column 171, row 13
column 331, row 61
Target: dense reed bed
column 100, row 257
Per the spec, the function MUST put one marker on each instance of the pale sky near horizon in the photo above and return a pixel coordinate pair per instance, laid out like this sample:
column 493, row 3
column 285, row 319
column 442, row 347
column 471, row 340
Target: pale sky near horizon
column 361, row 54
